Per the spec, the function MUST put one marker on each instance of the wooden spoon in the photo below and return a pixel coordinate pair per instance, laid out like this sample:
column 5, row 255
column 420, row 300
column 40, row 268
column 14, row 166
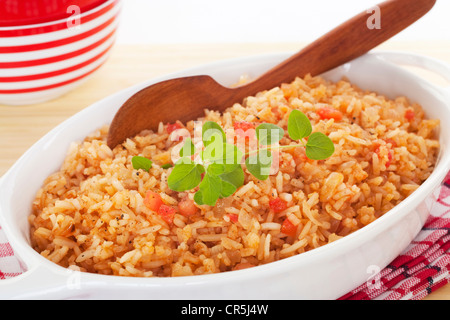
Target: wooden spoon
column 185, row 98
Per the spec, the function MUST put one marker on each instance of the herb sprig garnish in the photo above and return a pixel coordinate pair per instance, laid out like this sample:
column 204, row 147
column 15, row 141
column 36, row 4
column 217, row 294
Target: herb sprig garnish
column 218, row 173
column 143, row 163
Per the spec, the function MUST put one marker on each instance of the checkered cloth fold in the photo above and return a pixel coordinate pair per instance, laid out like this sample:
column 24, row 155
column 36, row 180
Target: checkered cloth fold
column 10, row 265
column 423, row 267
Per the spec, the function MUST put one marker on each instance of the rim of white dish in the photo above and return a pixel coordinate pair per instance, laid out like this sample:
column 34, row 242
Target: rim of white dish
column 394, row 214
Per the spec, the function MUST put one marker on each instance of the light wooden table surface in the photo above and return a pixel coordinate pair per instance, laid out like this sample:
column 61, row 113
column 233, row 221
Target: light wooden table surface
column 21, row 127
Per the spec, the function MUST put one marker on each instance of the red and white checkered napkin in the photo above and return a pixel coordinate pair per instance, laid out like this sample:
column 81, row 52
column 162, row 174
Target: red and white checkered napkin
column 10, row 265
column 421, row 269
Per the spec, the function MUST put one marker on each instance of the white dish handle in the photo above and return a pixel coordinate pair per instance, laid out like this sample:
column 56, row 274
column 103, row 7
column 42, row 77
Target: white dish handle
column 423, row 62
column 39, row 282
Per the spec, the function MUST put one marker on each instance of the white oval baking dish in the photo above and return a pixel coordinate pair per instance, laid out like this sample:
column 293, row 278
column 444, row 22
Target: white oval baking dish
column 324, row 273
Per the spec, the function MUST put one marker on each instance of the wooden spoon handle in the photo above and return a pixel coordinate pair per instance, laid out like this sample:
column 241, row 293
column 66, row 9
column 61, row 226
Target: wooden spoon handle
column 348, row 41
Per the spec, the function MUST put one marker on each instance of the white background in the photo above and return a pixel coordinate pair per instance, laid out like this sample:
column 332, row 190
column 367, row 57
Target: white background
column 235, row 21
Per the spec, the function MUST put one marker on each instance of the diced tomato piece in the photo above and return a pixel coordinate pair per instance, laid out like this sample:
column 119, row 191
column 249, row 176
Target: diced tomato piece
column 167, row 213
column 233, row 217
column 277, row 205
column 410, row 114
column 173, row 126
column 288, row 228
column 245, row 135
column 187, row 207
column 329, row 113
column 153, row 200
column 390, row 157
column 243, row 125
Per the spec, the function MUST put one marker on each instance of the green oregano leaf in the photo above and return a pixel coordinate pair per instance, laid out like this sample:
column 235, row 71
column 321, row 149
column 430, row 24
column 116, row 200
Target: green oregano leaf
column 319, row 146
column 188, row 148
column 212, row 132
column 227, row 189
column 269, row 134
column 226, row 154
column 198, row 198
column 259, row 164
column 211, row 189
column 215, row 169
column 213, row 152
column 299, row 126
column 232, row 157
column 143, row 163
column 185, row 176
column 235, row 177
column 224, row 174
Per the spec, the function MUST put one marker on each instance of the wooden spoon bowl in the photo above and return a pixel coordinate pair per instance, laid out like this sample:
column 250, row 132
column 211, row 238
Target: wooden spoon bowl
column 185, row 99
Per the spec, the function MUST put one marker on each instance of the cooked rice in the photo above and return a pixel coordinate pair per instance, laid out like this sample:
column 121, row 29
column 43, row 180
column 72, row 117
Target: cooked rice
column 91, row 213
